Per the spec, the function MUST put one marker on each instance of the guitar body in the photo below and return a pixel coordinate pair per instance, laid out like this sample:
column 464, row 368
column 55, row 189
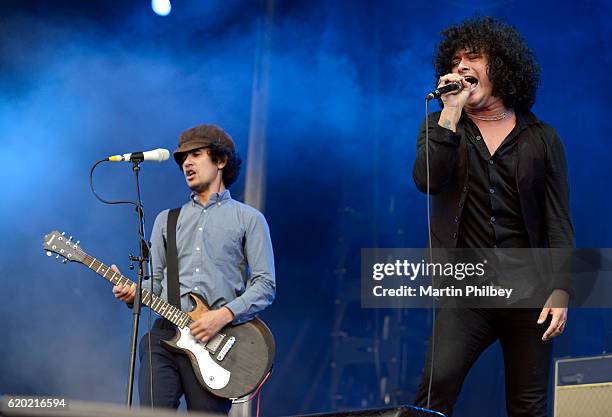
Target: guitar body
column 233, row 363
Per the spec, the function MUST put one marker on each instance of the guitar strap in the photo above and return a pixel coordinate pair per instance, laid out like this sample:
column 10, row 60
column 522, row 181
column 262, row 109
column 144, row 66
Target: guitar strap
column 172, row 271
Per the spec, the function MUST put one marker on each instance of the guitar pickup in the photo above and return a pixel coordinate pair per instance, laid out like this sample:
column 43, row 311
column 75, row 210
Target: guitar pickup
column 226, row 348
column 213, row 344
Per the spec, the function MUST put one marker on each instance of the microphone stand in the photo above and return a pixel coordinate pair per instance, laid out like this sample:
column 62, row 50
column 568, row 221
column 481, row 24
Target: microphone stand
column 141, row 259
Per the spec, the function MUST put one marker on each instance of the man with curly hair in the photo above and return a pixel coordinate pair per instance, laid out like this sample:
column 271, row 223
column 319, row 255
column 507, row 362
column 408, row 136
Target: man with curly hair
column 498, row 180
column 220, row 242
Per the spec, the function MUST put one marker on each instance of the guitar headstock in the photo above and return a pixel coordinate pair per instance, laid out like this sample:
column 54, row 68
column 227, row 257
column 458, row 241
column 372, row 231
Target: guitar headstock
column 58, row 243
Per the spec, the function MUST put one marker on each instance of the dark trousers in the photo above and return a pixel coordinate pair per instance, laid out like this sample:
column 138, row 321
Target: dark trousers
column 461, row 335
column 172, row 376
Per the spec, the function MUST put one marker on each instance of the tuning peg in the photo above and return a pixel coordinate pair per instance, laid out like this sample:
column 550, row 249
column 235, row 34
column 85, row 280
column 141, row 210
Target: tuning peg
column 77, row 242
column 57, row 257
column 70, row 238
column 64, row 261
column 49, row 253
column 63, row 233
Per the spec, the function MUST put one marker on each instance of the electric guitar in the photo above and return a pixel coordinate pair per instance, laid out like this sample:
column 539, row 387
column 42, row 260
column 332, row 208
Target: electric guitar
column 232, row 364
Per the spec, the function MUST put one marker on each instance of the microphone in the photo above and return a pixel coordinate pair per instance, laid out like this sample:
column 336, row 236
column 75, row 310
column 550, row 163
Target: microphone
column 158, row 155
column 448, row 88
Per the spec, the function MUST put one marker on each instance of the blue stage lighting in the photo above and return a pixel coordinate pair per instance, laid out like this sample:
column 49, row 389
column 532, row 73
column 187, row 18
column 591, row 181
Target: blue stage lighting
column 161, row 7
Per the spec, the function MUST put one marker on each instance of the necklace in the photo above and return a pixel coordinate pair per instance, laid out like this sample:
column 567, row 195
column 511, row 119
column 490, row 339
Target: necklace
column 492, row 118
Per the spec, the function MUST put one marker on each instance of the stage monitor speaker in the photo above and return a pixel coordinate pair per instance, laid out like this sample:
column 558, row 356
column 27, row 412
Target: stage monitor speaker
column 72, row 408
column 583, row 387
column 398, row 411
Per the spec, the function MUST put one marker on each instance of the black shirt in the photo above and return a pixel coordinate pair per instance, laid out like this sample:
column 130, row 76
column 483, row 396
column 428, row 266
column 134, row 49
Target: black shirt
column 540, row 175
column 492, row 213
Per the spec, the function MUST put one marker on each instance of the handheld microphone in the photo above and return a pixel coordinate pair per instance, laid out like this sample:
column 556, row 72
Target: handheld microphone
column 158, row 155
column 448, row 88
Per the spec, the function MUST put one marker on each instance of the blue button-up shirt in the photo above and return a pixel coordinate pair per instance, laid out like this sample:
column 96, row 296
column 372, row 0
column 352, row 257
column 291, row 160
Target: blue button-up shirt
column 224, row 254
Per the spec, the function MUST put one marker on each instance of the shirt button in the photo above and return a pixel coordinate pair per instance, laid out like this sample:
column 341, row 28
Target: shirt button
column 204, row 210
column 199, row 229
column 492, row 190
column 218, row 204
column 491, row 162
column 492, row 219
column 465, row 188
column 478, row 137
column 455, row 235
column 195, row 289
column 197, row 269
column 198, row 249
column 460, row 205
column 456, row 219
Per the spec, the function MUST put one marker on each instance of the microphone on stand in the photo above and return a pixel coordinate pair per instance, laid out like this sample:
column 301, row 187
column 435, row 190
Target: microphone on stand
column 135, row 158
column 158, row 155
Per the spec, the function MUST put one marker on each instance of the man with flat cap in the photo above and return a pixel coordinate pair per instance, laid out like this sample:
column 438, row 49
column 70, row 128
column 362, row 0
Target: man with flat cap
column 222, row 246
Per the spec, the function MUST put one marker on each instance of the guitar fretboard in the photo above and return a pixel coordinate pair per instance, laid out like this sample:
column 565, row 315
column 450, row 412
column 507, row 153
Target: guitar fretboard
column 161, row 307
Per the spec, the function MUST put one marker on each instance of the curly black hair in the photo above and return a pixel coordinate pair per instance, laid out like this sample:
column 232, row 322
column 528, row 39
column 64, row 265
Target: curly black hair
column 512, row 67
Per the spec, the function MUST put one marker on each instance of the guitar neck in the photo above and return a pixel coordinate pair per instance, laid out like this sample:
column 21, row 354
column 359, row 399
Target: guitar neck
column 161, row 307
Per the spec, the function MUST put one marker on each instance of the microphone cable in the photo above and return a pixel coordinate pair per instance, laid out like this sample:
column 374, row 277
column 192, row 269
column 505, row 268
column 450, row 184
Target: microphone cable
column 430, row 253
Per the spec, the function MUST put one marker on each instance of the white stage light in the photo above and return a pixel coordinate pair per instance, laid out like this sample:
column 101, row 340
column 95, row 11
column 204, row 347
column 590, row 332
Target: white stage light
column 161, row 7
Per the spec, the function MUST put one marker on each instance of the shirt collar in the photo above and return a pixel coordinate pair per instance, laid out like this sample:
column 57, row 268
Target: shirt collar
column 525, row 119
column 215, row 198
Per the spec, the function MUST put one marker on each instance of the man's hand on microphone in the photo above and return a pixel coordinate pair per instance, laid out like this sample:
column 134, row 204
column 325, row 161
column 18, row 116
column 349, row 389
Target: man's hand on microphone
column 124, row 293
column 453, row 102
